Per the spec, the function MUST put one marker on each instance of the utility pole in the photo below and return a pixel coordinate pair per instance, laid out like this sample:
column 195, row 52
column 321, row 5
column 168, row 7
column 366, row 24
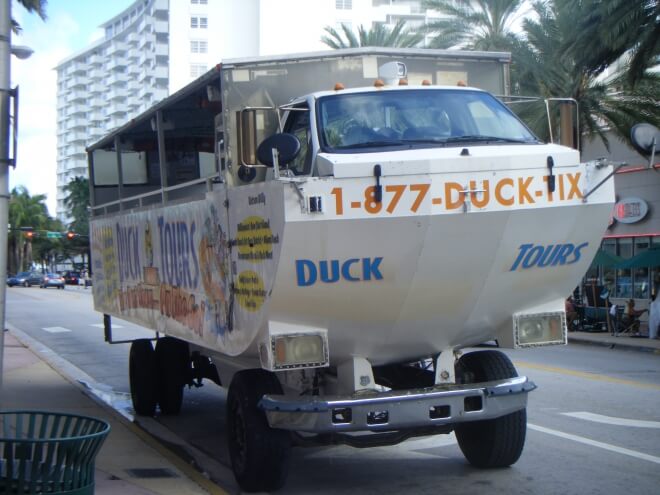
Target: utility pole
column 5, row 82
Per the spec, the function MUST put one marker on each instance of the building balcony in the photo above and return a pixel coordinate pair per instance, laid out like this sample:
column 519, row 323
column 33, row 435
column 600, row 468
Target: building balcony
column 161, row 49
column 132, row 39
column 96, row 88
column 77, row 123
column 146, row 39
column 161, row 72
column 117, row 48
column 95, row 60
column 116, row 78
column 160, row 5
column 161, row 26
column 77, row 136
column 75, row 96
column 76, row 81
column 115, row 107
column 115, row 93
column 114, row 63
column 96, row 73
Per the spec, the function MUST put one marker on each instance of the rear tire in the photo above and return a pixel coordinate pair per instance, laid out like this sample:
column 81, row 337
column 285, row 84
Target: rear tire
column 259, row 454
column 173, row 358
column 491, row 443
column 143, row 377
column 26, row 284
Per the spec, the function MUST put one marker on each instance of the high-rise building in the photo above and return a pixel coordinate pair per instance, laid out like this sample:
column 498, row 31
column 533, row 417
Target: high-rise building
column 155, row 47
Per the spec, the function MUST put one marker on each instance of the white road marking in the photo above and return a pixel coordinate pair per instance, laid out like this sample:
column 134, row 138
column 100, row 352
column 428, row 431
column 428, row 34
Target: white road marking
column 100, row 325
column 594, row 443
column 609, row 420
column 55, row 329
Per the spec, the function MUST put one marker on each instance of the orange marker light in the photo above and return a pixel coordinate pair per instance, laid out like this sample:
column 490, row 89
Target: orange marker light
column 403, row 82
column 426, row 82
column 339, row 86
column 378, row 83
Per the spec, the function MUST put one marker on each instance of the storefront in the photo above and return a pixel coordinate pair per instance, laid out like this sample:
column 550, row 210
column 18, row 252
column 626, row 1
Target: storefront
column 634, row 229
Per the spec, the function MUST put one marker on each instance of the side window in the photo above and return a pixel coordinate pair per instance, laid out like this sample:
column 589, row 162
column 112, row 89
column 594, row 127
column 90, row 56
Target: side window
column 298, row 125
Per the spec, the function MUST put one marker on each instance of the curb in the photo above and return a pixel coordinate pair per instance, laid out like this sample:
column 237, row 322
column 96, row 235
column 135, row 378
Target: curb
column 69, row 372
column 613, row 345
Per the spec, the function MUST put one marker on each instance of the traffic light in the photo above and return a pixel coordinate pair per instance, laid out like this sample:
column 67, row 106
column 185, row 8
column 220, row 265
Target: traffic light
column 71, row 235
column 28, row 232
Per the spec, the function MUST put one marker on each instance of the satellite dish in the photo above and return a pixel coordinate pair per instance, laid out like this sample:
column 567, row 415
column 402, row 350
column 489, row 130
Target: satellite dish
column 645, row 139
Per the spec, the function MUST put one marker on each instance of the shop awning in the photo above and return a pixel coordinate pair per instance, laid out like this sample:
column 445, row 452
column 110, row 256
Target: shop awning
column 606, row 259
column 650, row 258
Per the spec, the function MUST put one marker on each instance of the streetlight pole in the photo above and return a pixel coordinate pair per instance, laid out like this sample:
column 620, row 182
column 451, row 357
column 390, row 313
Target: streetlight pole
column 5, row 82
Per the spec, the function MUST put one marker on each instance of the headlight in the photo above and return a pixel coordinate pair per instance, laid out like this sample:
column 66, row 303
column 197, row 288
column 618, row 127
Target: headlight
column 298, row 351
column 540, row 329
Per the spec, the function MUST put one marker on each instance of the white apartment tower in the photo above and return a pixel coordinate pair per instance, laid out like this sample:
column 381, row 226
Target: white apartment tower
column 155, row 47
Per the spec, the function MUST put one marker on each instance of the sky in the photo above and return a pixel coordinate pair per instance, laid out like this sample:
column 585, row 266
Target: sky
column 71, row 26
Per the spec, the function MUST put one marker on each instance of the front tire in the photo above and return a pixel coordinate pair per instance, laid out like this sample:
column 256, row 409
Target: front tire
column 259, row 454
column 491, row 443
column 143, row 377
column 173, row 359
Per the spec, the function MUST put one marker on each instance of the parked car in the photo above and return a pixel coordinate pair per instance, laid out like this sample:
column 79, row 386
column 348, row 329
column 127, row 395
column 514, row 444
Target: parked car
column 52, row 280
column 26, row 279
column 71, row 277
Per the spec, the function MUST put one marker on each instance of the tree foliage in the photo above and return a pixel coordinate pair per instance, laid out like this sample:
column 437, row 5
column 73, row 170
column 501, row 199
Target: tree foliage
column 33, row 6
column 474, row 24
column 77, row 203
column 379, row 35
column 24, row 211
column 547, row 64
column 611, row 28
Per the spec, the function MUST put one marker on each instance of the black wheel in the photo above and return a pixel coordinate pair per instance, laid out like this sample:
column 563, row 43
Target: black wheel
column 26, row 284
column 173, row 358
column 495, row 442
column 143, row 377
column 259, row 454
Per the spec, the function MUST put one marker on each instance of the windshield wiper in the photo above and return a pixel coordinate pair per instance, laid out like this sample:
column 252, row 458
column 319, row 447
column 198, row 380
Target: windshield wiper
column 372, row 144
column 481, row 138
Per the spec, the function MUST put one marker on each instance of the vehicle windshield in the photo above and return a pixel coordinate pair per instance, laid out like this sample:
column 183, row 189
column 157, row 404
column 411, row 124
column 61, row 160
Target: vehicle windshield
column 23, row 274
column 359, row 122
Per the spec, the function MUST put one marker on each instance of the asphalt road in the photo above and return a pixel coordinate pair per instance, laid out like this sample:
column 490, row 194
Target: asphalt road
column 593, row 423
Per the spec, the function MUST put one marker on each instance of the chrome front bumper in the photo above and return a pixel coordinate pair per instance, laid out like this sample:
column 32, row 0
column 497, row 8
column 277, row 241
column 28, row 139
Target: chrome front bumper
column 397, row 410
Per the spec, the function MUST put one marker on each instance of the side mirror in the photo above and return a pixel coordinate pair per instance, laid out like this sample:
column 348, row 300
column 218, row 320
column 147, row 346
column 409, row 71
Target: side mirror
column 287, row 146
column 646, row 140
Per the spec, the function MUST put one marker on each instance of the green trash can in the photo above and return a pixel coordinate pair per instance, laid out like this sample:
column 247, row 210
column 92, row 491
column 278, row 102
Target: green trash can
column 49, row 453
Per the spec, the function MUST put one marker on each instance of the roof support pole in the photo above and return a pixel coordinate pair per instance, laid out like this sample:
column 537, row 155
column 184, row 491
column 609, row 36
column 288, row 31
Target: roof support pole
column 120, row 172
column 162, row 156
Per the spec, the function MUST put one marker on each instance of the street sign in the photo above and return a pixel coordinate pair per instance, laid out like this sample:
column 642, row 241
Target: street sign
column 54, row 235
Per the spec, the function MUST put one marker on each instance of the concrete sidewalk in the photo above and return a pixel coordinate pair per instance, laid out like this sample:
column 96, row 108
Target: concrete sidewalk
column 622, row 341
column 130, row 462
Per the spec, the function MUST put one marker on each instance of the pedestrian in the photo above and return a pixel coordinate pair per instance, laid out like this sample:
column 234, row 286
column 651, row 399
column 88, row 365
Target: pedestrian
column 654, row 315
column 572, row 316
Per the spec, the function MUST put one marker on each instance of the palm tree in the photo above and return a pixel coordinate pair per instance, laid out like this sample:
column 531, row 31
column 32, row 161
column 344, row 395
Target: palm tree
column 77, row 201
column 613, row 28
column 24, row 211
column 546, row 65
column 379, row 35
column 32, row 6
column 474, row 24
